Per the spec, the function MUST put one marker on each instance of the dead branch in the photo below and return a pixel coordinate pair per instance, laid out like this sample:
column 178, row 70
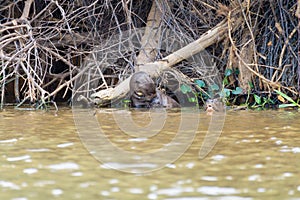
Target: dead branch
column 207, row 39
column 42, row 45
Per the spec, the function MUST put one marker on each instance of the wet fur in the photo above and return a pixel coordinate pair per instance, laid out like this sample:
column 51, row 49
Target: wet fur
column 143, row 93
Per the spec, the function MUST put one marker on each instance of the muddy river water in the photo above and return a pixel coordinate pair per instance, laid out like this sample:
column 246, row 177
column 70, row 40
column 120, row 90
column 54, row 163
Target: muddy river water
column 257, row 156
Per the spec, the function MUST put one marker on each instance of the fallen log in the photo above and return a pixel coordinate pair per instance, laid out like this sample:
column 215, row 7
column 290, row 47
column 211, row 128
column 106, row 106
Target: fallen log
column 210, row 37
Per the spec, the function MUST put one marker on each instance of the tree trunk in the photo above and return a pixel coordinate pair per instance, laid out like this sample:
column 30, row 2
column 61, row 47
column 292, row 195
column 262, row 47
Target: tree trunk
column 245, row 76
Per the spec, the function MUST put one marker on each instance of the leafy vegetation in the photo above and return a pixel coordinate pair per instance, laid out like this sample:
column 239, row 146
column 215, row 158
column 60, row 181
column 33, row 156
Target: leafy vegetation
column 47, row 46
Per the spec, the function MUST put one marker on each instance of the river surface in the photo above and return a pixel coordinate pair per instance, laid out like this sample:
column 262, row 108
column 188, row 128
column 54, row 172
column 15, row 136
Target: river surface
column 257, row 156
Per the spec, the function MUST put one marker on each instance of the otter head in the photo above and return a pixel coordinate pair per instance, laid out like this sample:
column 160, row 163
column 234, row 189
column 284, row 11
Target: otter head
column 214, row 105
column 142, row 90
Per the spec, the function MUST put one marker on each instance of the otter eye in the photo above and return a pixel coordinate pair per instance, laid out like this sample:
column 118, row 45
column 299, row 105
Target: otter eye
column 139, row 93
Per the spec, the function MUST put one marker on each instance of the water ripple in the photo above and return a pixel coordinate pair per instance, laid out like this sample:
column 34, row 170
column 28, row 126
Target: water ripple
column 18, row 158
column 10, row 185
column 9, row 140
column 62, row 166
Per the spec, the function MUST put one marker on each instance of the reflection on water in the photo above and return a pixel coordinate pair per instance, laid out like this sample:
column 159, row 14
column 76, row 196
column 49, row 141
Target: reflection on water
column 256, row 157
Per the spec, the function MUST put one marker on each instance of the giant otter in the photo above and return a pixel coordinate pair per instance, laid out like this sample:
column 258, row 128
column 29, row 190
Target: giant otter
column 142, row 90
column 143, row 93
column 214, row 105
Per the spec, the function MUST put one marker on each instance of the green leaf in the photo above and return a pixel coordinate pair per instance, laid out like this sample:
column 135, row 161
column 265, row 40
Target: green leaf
column 251, row 85
column 286, row 97
column 287, row 105
column 185, row 88
column 214, row 87
column 227, row 92
column 206, row 96
column 200, row 83
column 228, row 72
column 266, row 99
column 236, row 71
column 237, row 90
column 192, row 99
column 271, row 101
column 257, row 99
column 225, row 81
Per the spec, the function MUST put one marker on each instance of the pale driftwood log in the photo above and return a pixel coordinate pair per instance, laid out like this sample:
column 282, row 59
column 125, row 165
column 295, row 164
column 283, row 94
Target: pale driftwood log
column 210, row 37
column 151, row 37
column 26, row 9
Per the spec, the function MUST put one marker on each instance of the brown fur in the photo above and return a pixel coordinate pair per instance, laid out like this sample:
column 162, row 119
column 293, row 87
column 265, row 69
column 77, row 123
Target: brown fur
column 214, row 105
column 144, row 95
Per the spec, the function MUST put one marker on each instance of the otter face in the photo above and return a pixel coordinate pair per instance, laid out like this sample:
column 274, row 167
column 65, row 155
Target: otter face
column 214, row 105
column 142, row 90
